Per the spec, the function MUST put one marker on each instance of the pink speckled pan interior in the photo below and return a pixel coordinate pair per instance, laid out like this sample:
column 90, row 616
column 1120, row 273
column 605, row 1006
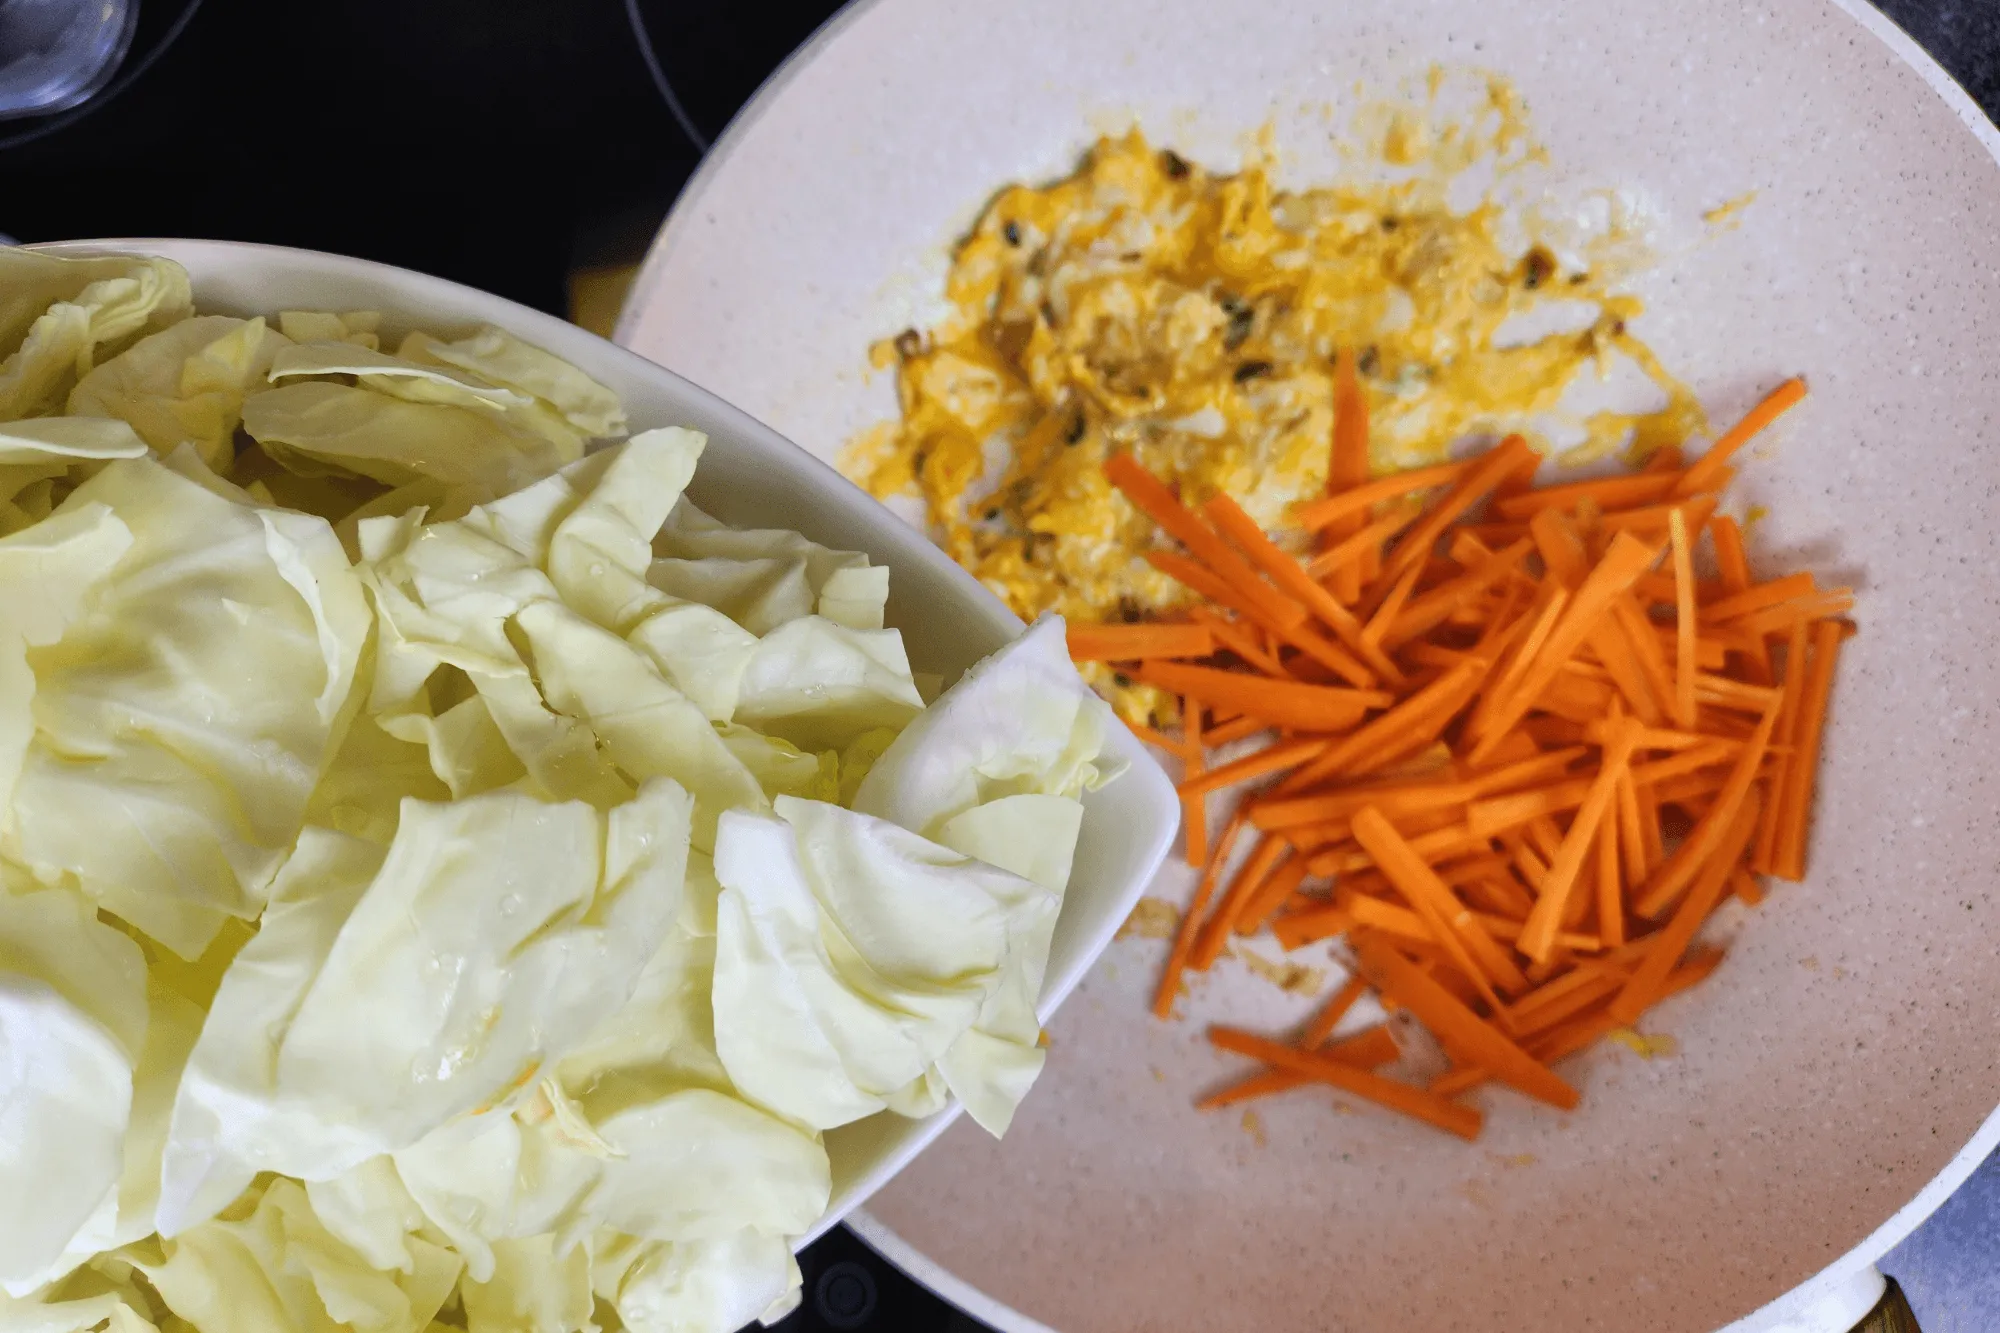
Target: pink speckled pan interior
column 1832, row 1075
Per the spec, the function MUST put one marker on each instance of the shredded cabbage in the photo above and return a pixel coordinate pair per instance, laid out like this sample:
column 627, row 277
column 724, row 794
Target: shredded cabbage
column 444, row 874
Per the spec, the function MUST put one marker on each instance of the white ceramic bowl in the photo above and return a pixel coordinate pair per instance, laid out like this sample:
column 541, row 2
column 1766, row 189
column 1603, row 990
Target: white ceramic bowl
column 1837, row 1076
column 749, row 475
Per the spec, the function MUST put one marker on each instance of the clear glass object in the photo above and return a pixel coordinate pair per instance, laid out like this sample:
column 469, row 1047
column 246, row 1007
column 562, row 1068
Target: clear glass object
column 54, row 54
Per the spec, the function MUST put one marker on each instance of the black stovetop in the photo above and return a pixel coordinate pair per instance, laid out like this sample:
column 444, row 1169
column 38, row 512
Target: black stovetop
column 391, row 130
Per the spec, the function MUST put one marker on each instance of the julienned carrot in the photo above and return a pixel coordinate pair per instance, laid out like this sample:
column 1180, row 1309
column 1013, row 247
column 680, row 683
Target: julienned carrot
column 1513, row 456
column 1286, row 703
column 1215, row 931
column 1238, row 639
column 1158, row 503
column 1413, row 713
column 1464, row 1121
column 1607, row 493
column 1194, row 809
column 1314, row 515
column 1665, row 948
column 1467, row 1037
column 1278, row 886
column 1328, row 1018
column 1538, row 937
column 1450, row 921
column 1809, row 728
column 1734, row 564
column 1702, row 476
column 1190, row 927
column 1497, row 816
column 1274, row 759
column 1622, row 563
column 1440, row 604
column 1296, row 929
column 1566, row 1040
column 1364, row 1050
column 1698, row 849
column 1131, row 643
column 1686, row 639
column 1354, row 549
column 1289, row 575
column 1347, row 466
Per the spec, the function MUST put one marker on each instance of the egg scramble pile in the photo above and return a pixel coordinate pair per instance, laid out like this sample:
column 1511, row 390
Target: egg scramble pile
column 1147, row 305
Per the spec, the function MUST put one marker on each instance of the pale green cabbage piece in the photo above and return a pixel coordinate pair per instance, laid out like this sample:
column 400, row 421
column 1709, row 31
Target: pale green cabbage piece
column 498, row 357
column 359, row 327
column 765, row 576
column 415, row 382
column 689, row 1164
column 72, row 1028
column 44, row 573
column 56, row 312
column 317, row 426
column 851, row 953
column 184, row 717
column 63, row 441
column 185, row 384
column 279, row 1270
column 993, row 769
column 106, row 1295
column 1020, row 722
column 390, row 993
column 676, row 1287
column 534, row 1289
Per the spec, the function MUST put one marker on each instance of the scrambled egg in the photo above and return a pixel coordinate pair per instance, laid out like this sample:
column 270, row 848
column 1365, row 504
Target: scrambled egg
column 1145, row 305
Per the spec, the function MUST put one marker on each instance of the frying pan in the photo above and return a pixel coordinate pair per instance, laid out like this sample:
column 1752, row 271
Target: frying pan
column 1837, row 1078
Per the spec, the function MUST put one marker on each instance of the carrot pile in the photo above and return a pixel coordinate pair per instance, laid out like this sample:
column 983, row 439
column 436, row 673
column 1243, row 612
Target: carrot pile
column 1506, row 740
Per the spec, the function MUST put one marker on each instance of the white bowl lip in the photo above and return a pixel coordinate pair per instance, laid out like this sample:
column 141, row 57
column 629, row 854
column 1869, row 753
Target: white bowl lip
column 546, row 330
column 1829, row 1282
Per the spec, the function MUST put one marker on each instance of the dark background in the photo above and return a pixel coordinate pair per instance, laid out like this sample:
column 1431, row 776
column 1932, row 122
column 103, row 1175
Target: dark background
column 506, row 143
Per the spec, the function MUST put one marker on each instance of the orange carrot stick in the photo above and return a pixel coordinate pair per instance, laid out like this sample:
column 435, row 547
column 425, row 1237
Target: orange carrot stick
column 1216, row 930
column 1278, row 886
column 1151, row 497
column 1623, row 561
column 1707, row 470
column 1685, row 642
column 1468, row 1038
column 1511, row 457
column 1665, row 948
column 1130, row 643
column 1607, row 493
column 1790, row 862
column 1296, row 929
column 1194, row 809
column 1184, row 938
column 1538, row 937
column 1347, row 467
column 1364, row 542
column 1315, row 515
column 1272, row 759
column 1464, row 1121
column 1610, row 883
column 1302, row 707
column 1291, row 577
column 1364, row 1050
column 1700, row 845
column 1238, row 639
column 1450, row 921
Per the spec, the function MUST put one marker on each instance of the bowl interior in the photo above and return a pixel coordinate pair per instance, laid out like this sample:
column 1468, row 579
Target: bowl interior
column 749, row 475
column 1838, row 1060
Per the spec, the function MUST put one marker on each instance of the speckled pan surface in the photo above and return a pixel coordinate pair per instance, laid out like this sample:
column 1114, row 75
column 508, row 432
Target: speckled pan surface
column 1844, row 1055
